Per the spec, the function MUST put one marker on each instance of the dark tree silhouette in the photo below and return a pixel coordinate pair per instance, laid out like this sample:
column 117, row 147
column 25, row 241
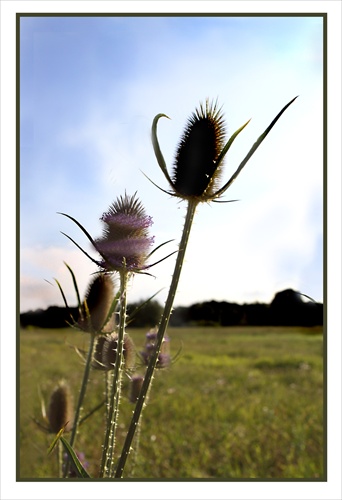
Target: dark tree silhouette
column 286, row 309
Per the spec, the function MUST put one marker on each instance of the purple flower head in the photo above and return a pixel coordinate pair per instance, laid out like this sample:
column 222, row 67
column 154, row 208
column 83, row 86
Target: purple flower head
column 151, row 335
column 125, row 242
column 126, row 221
column 164, row 358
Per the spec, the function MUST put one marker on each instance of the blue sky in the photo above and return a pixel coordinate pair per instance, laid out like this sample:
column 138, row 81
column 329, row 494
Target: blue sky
column 89, row 90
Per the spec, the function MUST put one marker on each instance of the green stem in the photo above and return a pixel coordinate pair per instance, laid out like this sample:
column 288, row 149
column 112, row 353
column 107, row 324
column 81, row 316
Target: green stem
column 81, row 396
column 161, row 331
column 136, row 447
column 114, row 396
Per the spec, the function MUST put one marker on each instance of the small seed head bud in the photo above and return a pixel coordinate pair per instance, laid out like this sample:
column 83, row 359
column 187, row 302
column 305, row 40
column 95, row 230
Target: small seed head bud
column 60, row 410
column 98, row 363
column 106, row 352
column 98, row 301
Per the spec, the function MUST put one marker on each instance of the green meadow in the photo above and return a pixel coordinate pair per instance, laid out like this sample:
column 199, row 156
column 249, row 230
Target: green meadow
column 237, row 403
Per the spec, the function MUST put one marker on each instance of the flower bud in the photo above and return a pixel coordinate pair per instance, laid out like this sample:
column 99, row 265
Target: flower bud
column 96, row 307
column 164, row 358
column 106, row 349
column 98, row 363
column 60, row 410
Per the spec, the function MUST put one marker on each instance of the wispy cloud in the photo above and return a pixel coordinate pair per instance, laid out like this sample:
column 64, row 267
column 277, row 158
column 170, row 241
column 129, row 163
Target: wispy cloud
column 39, row 268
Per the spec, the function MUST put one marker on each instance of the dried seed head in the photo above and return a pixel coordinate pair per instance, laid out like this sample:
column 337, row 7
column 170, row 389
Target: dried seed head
column 195, row 172
column 106, row 349
column 125, row 242
column 110, row 350
column 60, row 410
column 98, row 363
column 96, row 307
column 201, row 152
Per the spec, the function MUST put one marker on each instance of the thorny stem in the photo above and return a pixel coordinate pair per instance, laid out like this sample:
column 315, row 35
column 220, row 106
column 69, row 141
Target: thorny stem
column 114, row 395
column 81, row 397
column 161, row 331
column 136, row 447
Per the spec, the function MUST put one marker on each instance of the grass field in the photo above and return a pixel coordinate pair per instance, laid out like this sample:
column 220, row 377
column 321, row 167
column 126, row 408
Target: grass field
column 238, row 403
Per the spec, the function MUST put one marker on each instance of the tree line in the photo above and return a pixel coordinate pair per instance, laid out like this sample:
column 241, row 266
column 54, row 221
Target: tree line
column 286, row 309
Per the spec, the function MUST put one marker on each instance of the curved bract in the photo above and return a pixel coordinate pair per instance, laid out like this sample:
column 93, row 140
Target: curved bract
column 199, row 157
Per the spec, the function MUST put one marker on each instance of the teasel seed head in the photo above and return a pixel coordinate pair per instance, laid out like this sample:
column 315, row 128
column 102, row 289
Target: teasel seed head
column 125, row 242
column 200, row 154
column 95, row 311
column 60, row 410
column 196, row 171
column 106, row 349
column 98, row 362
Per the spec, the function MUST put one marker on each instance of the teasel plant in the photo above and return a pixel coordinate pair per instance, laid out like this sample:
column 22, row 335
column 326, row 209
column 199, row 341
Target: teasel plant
column 96, row 316
column 195, row 178
column 58, row 415
column 124, row 250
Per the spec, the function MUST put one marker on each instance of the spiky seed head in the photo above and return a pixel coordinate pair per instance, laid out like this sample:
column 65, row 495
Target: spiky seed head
column 125, row 242
column 200, row 154
column 60, row 410
column 195, row 172
column 96, row 307
column 106, row 350
column 97, row 362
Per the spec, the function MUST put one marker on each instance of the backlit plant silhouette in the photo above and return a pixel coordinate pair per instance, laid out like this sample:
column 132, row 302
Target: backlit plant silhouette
column 125, row 249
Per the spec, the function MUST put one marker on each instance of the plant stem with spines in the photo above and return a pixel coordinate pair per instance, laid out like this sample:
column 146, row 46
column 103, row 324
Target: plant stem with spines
column 192, row 204
column 114, row 396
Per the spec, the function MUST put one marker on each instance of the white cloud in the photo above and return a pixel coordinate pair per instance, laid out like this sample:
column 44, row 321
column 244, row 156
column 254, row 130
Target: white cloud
column 39, row 268
column 272, row 230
